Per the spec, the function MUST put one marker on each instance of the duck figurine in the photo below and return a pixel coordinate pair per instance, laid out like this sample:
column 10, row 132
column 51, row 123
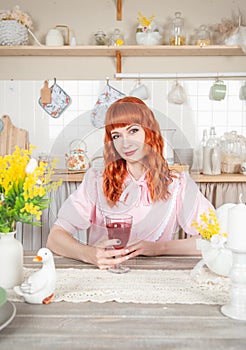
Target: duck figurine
column 39, row 287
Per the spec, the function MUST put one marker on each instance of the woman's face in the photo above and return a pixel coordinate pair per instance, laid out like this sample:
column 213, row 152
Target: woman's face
column 129, row 142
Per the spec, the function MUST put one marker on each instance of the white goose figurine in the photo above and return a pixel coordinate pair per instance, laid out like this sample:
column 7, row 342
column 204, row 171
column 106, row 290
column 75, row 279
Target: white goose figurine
column 39, row 287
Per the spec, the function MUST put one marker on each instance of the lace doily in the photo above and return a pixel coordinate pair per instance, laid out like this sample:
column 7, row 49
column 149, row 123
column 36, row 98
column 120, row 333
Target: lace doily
column 137, row 286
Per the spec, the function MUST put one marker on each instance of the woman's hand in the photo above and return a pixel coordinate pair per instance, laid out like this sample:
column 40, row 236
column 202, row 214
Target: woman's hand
column 104, row 257
column 145, row 248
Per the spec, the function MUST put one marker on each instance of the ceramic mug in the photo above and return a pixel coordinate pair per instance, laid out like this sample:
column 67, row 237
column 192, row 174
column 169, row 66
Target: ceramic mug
column 242, row 92
column 243, row 168
column 140, row 91
column 218, row 91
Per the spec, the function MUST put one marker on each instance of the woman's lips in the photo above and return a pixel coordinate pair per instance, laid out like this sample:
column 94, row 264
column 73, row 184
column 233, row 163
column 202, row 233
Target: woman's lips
column 130, row 153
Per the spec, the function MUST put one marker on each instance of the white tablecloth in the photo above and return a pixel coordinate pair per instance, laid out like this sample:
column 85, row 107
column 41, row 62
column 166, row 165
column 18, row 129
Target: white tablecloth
column 137, row 286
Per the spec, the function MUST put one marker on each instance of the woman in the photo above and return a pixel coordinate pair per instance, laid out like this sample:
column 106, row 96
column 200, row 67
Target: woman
column 136, row 180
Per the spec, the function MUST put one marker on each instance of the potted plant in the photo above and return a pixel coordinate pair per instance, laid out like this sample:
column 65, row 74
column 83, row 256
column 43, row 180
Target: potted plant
column 212, row 245
column 147, row 31
column 24, row 189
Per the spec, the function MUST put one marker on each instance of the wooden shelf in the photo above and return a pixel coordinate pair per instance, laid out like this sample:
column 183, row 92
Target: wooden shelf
column 117, row 53
column 131, row 51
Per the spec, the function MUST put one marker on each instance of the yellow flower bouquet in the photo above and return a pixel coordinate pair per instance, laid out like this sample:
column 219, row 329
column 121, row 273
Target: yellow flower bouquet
column 24, row 186
column 209, row 226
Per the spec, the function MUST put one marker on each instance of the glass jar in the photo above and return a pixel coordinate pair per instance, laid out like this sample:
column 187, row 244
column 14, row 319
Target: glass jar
column 168, row 151
column 45, row 158
column 203, row 36
column 177, row 34
column 116, row 38
column 231, row 152
column 100, row 37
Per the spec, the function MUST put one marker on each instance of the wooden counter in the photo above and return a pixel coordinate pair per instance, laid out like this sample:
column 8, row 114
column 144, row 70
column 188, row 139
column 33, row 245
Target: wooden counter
column 77, row 176
column 218, row 178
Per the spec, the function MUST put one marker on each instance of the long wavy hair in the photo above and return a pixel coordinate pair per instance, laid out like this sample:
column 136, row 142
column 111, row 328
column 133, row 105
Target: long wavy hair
column 123, row 112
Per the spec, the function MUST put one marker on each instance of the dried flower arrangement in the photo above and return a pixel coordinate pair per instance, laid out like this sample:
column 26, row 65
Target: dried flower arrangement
column 18, row 15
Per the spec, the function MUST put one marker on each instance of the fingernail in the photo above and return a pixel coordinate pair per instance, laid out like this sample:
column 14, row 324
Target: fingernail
column 118, row 241
column 127, row 251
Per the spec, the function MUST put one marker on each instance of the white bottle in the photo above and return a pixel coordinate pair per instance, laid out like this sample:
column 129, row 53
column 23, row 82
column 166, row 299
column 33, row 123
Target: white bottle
column 216, row 161
column 211, row 155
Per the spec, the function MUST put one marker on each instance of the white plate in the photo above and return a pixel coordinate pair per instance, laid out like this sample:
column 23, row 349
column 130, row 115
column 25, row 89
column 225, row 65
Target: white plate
column 7, row 313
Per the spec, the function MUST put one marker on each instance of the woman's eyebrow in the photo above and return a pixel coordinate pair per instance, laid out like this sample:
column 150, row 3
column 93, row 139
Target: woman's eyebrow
column 130, row 126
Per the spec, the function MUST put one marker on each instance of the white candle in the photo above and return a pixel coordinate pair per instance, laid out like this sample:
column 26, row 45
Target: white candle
column 236, row 227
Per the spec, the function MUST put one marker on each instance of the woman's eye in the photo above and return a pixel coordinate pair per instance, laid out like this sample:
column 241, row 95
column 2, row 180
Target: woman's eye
column 134, row 130
column 115, row 137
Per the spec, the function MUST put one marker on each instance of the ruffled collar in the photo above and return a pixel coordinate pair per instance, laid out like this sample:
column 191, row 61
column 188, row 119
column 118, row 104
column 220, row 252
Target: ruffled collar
column 137, row 190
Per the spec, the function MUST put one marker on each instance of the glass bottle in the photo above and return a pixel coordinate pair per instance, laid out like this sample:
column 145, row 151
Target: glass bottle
column 203, row 36
column 197, row 164
column 177, row 34
column 201, row 148
column 212, row 155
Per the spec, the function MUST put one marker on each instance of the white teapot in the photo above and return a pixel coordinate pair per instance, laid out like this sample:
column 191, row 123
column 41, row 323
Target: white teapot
column 77, row 159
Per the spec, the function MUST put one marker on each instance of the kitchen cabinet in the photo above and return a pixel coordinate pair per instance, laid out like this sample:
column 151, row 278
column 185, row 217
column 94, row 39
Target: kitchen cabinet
column 75, row 57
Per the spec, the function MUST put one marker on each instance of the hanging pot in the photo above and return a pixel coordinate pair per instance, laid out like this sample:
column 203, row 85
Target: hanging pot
column 77, row 159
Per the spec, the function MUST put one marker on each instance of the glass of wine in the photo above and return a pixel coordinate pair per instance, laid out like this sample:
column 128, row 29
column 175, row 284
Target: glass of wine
column 119, row 227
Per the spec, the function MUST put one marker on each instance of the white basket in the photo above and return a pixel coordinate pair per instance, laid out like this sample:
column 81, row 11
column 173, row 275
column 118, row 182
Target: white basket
column 13, row 33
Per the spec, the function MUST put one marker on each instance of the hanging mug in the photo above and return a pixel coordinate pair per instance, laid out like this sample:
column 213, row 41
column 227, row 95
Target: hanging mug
column 218, row 91
column 242, row 92
column 77, row 159
column 140, row 90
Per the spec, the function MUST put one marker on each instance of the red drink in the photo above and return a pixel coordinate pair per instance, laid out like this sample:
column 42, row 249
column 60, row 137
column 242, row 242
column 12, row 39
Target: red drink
column 119, row 230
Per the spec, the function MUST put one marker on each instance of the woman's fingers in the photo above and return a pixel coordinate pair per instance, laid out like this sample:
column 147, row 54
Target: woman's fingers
column 110, row 260
column 108, row 243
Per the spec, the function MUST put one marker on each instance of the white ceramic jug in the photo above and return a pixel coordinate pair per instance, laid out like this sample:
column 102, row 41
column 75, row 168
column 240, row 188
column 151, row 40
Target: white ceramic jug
column 54, row 38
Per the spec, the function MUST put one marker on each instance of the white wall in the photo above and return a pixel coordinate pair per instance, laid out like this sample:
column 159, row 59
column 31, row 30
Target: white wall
column 19, row 99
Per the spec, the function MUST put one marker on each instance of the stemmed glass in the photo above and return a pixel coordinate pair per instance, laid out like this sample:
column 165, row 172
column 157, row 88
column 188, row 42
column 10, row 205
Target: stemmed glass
column 119, row 227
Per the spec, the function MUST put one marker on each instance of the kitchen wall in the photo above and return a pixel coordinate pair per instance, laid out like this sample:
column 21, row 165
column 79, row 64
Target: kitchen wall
column 81, row 77
column 19, row 99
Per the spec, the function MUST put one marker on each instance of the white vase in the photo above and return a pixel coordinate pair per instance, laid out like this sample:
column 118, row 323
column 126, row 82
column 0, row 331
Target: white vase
column 11, row 260
column 218, row 260
column 149, row 38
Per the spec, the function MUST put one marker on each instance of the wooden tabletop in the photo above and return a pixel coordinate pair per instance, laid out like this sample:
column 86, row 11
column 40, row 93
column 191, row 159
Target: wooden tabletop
column 119, row 326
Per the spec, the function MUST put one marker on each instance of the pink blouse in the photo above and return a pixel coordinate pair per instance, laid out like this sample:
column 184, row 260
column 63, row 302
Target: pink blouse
column 87, row 207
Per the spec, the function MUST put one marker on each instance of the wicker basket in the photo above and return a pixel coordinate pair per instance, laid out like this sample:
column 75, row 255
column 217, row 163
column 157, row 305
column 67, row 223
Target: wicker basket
column 13, row 33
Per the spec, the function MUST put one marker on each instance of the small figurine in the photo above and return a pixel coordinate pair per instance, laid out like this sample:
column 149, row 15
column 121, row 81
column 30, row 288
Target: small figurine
column 39, row 287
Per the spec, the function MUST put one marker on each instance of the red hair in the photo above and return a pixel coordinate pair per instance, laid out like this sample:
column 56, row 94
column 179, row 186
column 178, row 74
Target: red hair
column 123, row 112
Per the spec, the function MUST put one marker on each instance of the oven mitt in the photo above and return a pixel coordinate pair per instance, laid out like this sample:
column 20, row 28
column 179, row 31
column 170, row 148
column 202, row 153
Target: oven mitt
column 107, row 97
column 59, row 101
